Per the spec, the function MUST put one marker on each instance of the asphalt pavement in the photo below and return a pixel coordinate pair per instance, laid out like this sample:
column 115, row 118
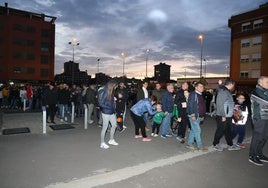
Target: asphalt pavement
column 73, row 158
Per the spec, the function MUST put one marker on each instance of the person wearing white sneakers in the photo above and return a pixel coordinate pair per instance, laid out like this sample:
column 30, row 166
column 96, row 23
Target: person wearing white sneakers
column 107, row 105
column 143, row 106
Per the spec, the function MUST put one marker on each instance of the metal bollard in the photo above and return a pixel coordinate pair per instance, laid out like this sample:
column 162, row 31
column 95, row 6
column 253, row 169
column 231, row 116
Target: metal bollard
column 24, row 104
column 72, row 119
column 44, row 119
column 85, row 116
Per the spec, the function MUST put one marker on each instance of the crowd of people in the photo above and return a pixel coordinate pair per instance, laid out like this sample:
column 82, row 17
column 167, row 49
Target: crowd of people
column 162, row 112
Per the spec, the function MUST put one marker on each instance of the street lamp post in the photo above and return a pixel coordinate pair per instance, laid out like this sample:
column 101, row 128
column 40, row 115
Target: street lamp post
column 123, row 57
column 147, row 52
column 98, row 68
column 73, row 43
column 201, row 37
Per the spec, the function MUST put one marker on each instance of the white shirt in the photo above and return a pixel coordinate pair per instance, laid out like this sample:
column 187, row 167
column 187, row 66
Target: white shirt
column 145, row 91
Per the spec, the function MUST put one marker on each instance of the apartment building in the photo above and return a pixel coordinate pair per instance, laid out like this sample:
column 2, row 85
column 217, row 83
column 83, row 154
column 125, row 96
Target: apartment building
column 27, row 42
column 249, row 46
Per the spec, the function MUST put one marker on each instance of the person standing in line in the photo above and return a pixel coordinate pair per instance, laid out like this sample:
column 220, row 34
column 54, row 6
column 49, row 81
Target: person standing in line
column 63, row 100
column 167, row 107
column 158, row 92
column 123, row 90
column 157, row 120
column 51, row 100
column 239, row 124
column 224, row 114
column 107, row 105
column 90, row 99
column 180, row 101
column 196, row 109
column 259, row 100
column 29, row 95
column 120, row 110
column 143, row 92
column 137, row 111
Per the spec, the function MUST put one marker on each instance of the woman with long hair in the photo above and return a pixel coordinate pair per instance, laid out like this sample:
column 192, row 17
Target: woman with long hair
column 107, row 105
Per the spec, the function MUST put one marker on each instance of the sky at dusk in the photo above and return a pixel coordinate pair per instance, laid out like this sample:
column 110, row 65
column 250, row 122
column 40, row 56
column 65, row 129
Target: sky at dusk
column 168, row 28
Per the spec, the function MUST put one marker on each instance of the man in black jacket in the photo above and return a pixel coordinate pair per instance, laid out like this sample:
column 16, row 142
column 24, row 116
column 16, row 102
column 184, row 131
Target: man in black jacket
column 51, row 99
column 259, row 99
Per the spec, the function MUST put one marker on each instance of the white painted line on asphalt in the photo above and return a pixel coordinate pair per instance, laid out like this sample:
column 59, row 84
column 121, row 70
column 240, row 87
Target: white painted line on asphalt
column 125, row 173
column 128, row 172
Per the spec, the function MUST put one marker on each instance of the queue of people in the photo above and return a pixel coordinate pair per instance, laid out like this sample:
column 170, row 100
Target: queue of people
column 164, row 112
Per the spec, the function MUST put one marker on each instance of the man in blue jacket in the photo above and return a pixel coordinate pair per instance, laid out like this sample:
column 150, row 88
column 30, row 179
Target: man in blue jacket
column 167, row 107
column 196, row 113
column 259, row 99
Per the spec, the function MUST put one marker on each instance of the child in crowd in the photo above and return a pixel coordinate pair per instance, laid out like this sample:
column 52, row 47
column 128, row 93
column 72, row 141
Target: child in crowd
column 157, row 120
column 239, row 121
column 120, row 109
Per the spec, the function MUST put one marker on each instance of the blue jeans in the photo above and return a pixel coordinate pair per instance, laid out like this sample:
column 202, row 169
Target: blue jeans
column 166, row 124
column 195, row 133
column 61, row 107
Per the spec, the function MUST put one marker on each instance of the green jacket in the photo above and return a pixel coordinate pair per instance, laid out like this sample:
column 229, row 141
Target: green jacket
column 158, row 117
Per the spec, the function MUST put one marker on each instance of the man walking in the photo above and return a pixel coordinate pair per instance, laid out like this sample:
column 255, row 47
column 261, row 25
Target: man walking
column 259, row 99
column 224, row 114
column 196, row 112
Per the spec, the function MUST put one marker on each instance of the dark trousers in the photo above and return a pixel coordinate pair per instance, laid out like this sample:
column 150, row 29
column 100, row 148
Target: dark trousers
column 156, row 127
column 223, row 129
column 239, row 130
column 182, row 126
column 139, row 124
column 259, row 138
column 51, row 110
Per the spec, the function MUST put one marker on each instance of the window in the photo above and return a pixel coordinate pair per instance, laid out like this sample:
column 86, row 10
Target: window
column 18, row 27
column 256, row 57
column 45, row 33
column 244, row 58
column 44, row 47
column 44, row 59
column 30, row 29
column 30, row 70
column 243, row 74
column 245, row 43
column 257, row 41
column 246, row 26
column 30, row 57
column 258, row 24
column 17, row 70
column 44, row 73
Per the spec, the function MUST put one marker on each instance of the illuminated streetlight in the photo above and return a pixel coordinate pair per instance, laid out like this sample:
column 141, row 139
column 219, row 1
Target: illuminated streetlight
column 123, row 57
column 73, row 43
column 201, row 38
